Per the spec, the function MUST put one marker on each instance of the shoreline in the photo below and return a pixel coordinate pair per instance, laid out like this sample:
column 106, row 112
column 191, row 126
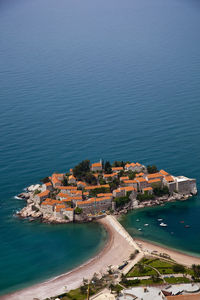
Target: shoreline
column 116, row 250
column 177, row 255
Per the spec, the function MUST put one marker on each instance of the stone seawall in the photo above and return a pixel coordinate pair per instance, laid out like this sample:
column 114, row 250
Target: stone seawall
column 121, row 230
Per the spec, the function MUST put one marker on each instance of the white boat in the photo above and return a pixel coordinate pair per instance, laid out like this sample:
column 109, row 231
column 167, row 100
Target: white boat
column 146, row 224
column 163, row 224
column 137, row 220
column 139, row 229
column 160, row 220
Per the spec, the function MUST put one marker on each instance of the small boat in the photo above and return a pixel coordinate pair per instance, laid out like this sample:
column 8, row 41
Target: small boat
column 163, row 224
column 187, row 226
column 160, row 220
column 146, row 224
column 137, row 220
column 139, row 229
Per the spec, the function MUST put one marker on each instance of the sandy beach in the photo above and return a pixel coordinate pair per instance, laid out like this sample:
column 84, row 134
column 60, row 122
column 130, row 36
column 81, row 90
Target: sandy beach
column 117, row 250
column 179, row 257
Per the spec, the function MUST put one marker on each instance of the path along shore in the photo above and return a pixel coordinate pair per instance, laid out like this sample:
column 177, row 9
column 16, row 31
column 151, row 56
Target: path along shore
column 179, row 257
column 117, row 250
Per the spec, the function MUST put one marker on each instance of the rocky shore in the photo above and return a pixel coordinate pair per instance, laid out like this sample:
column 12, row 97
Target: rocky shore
column 90, row 191
column 158, row 201
column 32, row 210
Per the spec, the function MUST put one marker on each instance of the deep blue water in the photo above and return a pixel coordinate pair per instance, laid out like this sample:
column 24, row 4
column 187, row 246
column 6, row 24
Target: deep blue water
column 93, row 79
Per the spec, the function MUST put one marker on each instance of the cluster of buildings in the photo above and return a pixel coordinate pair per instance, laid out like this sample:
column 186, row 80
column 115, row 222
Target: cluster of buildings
column 61, row 201
column 188, row 291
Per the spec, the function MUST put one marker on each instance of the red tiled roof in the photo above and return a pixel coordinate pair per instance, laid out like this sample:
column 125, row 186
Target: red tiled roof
column 130, row 181
column 154, row 175
column 43, row 194
column 92, row 187
column 67, row 187
column 154, row 180
column 117, row 168
column 148, row 189
column 124, row 178
column 163, row 172
column 128, row 188
column 98, row 164
column 169, row 178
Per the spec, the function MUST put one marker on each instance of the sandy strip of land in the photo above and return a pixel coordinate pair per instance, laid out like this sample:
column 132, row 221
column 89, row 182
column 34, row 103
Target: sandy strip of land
column 179, row 257
column 117, row 250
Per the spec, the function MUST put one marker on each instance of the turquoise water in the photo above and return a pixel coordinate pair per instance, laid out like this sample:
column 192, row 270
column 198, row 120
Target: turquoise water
column 93, row 79
column 175, row 235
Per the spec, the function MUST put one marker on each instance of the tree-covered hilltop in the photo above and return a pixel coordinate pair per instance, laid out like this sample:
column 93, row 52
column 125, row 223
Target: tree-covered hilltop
column 82, row 172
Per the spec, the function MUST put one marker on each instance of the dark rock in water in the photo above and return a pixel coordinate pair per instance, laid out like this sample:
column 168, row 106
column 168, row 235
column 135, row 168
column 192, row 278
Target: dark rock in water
column 23, row 195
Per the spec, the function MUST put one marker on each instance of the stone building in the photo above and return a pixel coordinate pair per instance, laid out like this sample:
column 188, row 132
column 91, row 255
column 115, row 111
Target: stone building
column 71, row 179
column 142, row 183
column 96, row 166
column 185, row 185
column 41, row 196
column 134, row 167
column 94, row 205
column 169, row 181
column 119, row 193
column 132, row 183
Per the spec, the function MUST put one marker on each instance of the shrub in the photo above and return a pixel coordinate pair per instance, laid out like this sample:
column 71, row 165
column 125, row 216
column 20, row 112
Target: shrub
column 145, row 196
column 121, row 201
column 107, row 168
column 37, row 192
column 178, row 268
column 81, row 169
column 45, row 180
column 78, row 210
column 152, row 169
column 158, row 191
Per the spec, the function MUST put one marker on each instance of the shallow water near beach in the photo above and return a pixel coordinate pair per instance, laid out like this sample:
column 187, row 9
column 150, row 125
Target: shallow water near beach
column 116, row 80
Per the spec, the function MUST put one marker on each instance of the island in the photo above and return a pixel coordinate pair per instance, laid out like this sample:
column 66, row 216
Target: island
column 91, row 191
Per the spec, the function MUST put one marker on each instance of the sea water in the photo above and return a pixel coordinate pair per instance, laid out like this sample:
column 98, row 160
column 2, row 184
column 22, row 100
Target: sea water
column 116, row 80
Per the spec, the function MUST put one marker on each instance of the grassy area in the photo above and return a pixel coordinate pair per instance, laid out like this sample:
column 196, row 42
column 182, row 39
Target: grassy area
column 173, row 280
column 116, row 288
column 137, row 272
column 142, row 282
column 164, row 267
column 150, row 282
column 74, row 294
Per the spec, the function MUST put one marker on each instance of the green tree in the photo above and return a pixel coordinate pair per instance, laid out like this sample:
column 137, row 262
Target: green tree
column 78, row 210
column 131, row 174
column 159, row 191
column 118, row 164
column 90, row 178
column 114, row 184
column 81, row 169
column 155, row 277
column 107, row 168
column 146, row 196
column 65, row 181
column 152, row 169
column 196, row 270
column 121, row 201
column 45, row 180
column 101, row 180
column 178, row 268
